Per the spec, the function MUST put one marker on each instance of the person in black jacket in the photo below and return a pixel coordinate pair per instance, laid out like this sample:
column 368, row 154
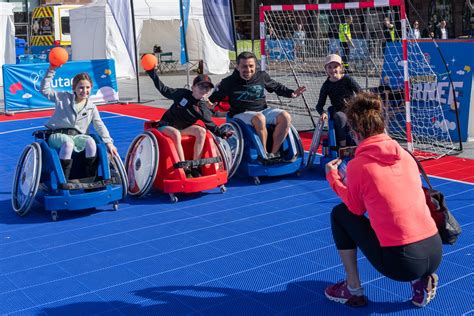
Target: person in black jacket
column 246, row 91
column 188, row 107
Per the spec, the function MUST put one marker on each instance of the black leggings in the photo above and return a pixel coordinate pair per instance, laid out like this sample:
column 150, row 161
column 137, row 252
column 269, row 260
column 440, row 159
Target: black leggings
column 400, row 263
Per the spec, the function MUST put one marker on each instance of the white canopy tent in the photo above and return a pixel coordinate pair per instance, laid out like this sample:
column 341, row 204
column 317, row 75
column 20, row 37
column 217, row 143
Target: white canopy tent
column 7, row 36
column 95, row 35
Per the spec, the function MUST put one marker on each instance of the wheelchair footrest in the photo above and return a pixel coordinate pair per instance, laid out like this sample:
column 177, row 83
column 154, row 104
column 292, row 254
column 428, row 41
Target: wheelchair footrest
column 196, row 163
column 86, row 184
column 276, row 161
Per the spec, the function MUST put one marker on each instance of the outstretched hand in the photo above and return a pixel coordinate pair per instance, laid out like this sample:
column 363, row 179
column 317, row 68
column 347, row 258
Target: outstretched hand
column 112, row 149
column 332, row 165
column 298, row 92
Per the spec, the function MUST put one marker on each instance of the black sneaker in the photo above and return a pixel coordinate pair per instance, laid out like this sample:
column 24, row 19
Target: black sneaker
column 195, row 173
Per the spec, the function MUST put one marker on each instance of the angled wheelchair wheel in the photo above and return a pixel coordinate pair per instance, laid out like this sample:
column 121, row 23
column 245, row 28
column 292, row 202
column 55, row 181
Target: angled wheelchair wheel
column 27, row 179
column 117, row 170
column 315, row 142
column 233, row 147
column 141, row 164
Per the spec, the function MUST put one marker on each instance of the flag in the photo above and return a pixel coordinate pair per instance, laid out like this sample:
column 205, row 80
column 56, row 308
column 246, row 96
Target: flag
column 183, row 27
column 122, row 13
column 220, row 22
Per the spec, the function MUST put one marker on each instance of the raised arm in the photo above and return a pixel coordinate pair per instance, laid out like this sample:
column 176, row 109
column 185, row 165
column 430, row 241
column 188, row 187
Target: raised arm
column 167, row 92
column 45, row 88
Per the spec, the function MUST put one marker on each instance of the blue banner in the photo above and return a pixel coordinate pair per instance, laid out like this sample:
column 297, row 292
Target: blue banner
column 458, row 56
column 219, row 22
column 183, row 27
column 22, row 83
column 280, row 50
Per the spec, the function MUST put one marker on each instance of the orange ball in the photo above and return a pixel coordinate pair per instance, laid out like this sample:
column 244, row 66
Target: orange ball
column 58, row 56
column 149, row 62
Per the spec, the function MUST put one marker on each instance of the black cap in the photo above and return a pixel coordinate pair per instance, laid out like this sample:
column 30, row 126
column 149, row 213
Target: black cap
column 200, row 79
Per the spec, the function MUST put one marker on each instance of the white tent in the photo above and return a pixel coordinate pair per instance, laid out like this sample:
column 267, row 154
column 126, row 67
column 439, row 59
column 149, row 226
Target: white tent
column 95, row 35
column 7, row 29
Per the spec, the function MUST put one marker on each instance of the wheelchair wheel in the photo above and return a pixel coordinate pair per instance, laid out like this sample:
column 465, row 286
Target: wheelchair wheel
column 141, row 164
column 315, row 142
column 233, row 147
column 117, row 170
column 27, row 179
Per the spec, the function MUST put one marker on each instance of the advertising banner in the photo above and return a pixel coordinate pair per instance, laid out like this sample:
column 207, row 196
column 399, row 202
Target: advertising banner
column 459, row 62
column 22, row 83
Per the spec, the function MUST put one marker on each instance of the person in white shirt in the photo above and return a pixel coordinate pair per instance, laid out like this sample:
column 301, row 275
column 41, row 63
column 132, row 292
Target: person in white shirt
column 415, row 32
column 441, row 30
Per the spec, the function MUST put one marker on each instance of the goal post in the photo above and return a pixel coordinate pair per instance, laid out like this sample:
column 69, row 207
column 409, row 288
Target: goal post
column 379, row 53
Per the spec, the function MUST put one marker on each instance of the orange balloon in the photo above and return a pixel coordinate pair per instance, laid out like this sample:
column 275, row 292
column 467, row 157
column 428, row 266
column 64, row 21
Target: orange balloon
column 149, row 61
column 58, row 56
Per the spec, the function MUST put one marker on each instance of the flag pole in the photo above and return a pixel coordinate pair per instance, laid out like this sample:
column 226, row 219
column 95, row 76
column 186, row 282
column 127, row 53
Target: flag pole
column 231, row 3
column 136, row 50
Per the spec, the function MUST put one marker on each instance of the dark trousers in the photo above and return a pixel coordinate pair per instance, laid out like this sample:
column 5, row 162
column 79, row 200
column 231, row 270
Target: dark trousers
column 400, row 263
column 345, row 54
column 341, row 127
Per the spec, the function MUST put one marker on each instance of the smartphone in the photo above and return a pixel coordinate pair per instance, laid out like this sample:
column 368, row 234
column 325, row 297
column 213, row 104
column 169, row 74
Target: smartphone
column 347, row 152
column 342, row 170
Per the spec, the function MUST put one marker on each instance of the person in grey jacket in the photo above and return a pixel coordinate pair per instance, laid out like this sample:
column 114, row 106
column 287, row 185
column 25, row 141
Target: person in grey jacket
column 70, row 122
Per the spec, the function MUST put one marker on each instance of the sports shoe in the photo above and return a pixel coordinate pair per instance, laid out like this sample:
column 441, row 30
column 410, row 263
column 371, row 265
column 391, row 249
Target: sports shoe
column 273, row 155
column 424, row 290
column 195, row 173
column 340, row 293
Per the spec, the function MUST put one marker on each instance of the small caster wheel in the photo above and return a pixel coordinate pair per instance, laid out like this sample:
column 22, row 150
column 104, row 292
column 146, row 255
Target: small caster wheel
column 256, row 180
column 298, row 173
column 173, row 198
column 115, row 206
column 54, row 216
column 223, row 189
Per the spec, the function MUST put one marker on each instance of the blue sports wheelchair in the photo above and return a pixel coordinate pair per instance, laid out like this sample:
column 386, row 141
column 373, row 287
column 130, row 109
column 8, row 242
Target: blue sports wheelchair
column 329, row 148
column 249, row 155
column 39, row 177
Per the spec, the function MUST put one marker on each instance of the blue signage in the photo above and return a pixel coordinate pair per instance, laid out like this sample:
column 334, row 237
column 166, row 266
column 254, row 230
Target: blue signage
column 458, row 56
column 21, row 83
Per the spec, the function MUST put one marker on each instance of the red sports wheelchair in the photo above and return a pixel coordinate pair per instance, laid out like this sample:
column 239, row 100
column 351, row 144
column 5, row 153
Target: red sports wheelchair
column 152, row 162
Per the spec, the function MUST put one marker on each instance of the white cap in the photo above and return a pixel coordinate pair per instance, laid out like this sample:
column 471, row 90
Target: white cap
column 333, row 58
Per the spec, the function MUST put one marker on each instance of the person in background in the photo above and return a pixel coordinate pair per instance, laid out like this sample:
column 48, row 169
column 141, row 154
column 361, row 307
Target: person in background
column 398, row 237
column 388, row 32
column 339, row 87
column 298, row 39
column 415, row 31
column 441, row 31
column 246, row 91
column 70, row 122
column 345, row 37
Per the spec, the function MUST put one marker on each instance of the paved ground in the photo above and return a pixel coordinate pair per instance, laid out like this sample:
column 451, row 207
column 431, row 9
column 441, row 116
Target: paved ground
column 150, row 96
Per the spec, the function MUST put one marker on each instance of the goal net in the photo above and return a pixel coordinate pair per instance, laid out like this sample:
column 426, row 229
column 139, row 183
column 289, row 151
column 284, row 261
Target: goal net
column 379, row 53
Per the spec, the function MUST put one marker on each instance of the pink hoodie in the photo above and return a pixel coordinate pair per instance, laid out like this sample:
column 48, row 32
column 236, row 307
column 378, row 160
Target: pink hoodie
column 383, row 179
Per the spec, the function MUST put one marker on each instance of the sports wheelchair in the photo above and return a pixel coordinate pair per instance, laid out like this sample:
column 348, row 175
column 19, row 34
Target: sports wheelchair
column 40, row 177
column 329, row 148
column 152, row 161
column 249, row 154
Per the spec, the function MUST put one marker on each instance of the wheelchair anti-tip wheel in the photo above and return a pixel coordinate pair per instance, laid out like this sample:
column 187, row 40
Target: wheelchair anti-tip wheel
column 27, row 179
column 141, row 164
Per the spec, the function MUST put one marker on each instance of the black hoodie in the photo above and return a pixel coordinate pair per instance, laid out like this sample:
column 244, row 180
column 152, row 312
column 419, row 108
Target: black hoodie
column 186, row 109
column 248, row 95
